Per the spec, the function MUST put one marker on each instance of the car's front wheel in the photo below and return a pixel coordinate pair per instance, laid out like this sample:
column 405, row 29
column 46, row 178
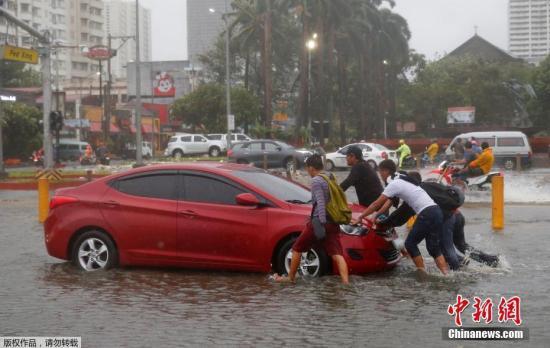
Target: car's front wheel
column 314, row 263
column 94, row 251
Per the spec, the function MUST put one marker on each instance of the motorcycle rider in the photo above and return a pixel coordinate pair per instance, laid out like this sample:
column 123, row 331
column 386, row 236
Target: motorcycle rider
column 365, row 180
column 482, row 164
column 429, row 223
column 458, row 149
column 404, row 152
column 432, row 150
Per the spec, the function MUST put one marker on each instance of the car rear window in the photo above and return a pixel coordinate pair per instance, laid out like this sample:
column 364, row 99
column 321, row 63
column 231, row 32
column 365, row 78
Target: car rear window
column 214, row 137
column 173, row 139
column 187, row 139
column 517, row 141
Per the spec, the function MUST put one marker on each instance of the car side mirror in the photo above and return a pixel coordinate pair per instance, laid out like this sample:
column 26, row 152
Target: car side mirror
column 247, row 200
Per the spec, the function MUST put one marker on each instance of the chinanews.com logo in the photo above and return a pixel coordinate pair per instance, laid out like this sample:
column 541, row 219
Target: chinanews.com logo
column 508, row 311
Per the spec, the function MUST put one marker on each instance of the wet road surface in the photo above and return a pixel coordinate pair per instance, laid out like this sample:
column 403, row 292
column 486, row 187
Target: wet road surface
column 136, row 307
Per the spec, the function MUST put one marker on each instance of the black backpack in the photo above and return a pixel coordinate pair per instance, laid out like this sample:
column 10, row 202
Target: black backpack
column 447, row 197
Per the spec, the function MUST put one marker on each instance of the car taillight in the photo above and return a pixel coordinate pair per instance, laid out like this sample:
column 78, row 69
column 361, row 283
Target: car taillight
column 384, row 155
column 57, row 201
column 530, row 154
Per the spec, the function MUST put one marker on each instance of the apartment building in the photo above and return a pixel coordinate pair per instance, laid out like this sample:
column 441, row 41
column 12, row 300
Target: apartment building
column 203, row 26
column 529, row 29
column 120, row 20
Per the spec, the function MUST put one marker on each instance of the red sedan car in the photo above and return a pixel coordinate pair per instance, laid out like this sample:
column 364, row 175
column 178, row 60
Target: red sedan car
column 202, row 216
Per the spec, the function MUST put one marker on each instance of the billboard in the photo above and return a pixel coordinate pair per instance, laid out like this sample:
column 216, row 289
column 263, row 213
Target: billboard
column 461, row 115
column 163, row 85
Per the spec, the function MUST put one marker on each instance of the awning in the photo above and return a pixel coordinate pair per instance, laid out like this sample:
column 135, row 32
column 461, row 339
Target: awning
column 95, row 127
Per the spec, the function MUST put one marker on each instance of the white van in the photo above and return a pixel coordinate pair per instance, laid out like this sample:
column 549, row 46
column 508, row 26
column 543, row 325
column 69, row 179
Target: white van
column 506, row 147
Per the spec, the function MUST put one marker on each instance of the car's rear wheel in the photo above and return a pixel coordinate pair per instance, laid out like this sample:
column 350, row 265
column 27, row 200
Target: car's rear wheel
column 214, row 151
column 314, row 263
column 94, row 251
column 372, row 164
column 329, row 165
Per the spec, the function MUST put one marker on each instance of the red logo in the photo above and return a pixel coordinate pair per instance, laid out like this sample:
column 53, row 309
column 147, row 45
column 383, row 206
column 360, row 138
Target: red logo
column 508, row 310
column 164, row 85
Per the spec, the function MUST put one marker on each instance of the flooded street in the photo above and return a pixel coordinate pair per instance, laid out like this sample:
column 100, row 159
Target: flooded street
column 136, row 307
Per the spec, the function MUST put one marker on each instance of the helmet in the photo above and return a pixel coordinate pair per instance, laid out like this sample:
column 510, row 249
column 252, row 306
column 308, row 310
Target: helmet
column 401, row 141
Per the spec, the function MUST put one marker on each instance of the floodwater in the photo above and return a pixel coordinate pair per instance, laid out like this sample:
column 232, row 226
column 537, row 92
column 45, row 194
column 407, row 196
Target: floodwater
column 136, row 307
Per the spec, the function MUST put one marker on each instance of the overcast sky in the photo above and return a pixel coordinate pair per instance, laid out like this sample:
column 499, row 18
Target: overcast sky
column 438, row 26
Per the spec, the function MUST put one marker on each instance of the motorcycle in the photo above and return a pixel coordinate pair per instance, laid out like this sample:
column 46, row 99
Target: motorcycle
column 87, row 160
column 104, row 160
column 408, row 162
column 37, row 159
column 445, row 175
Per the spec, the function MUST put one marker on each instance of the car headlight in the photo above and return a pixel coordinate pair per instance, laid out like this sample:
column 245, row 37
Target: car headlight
column 354, row 230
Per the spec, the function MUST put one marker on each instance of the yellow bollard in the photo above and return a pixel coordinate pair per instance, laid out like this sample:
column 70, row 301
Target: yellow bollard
column 43, row 199
column 498, row 202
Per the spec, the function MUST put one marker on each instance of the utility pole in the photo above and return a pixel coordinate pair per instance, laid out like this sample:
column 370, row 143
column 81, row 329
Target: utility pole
column 107, row 102
column 227, row 79
column 45, row 54
column 139, row 141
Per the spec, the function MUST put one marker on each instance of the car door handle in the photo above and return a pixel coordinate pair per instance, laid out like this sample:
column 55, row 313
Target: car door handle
column 111, row 204
column 188, row 213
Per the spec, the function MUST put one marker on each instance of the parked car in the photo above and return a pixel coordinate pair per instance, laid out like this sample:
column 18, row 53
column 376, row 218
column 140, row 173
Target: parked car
column 235, row 138
column 130, row 150
column 372, row 153
column 70, row 150
column 506, row 147
column 193, row 144
column 204, row 216
column 276, row 153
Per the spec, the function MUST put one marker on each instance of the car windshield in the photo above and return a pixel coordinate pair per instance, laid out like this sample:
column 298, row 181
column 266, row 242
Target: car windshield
column 276, row 186
column 284, row 145
column 214, row 137
column 173, row 139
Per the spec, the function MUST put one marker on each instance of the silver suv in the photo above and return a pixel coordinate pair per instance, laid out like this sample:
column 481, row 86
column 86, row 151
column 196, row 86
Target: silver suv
column 192, row 144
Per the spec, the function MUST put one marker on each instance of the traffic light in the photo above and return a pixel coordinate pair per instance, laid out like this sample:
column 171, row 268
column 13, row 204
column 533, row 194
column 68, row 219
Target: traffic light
column 56, row 121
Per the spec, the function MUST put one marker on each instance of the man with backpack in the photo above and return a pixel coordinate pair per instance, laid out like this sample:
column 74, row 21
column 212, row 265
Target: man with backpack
column 429, row 222
column 329, row 210
column 365, row 180
column 449, row 199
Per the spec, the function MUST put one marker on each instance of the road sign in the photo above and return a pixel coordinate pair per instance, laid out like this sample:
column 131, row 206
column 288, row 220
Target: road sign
column 50, row 174
column 231, row 122
column 18, row 54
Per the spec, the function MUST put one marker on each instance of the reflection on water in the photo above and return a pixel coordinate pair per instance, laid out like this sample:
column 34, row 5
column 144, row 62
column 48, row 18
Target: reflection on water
column 140, row 307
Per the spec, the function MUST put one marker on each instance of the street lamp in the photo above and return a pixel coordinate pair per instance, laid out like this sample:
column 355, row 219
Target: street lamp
column 139, row 141
column 311, row 45
column 230, row 120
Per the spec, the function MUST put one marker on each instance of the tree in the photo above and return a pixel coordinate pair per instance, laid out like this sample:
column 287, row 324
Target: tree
column 205, row 108
column 17, row 74
column 22, row 133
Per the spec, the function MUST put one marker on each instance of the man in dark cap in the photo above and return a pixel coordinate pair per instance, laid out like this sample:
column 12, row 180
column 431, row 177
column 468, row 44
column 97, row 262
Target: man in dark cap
column 365, row 180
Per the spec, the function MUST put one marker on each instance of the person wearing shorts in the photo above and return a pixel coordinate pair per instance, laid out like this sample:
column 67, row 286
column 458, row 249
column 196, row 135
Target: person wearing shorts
column 319, row 228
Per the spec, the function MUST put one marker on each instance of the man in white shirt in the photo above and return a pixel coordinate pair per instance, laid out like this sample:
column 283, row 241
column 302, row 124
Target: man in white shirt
column 429, row 222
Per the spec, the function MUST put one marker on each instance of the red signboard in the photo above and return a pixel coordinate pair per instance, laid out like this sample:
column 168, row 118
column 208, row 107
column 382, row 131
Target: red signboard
column 99, row 52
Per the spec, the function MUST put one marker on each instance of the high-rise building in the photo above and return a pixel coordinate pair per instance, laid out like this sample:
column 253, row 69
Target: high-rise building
column 529, row 29
column 120, row 20
column 203, row 26
column 76, row 23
